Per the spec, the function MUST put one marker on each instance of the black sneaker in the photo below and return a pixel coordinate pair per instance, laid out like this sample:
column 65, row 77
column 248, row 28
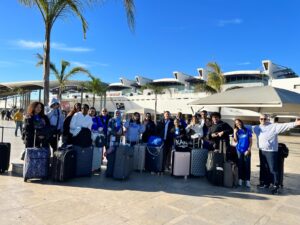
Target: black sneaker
column 260, row 186
column 275, row 190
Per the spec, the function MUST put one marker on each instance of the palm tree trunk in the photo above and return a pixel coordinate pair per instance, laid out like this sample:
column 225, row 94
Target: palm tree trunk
column 104, row 103
column 94, row 98
column 81, row 96
column 101, row 103
column 47, row 63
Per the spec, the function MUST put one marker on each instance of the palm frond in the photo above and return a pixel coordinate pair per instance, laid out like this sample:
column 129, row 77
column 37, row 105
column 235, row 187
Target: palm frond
column 64, row 65
column 130, row 11
column 76, row 70
column 205, row 88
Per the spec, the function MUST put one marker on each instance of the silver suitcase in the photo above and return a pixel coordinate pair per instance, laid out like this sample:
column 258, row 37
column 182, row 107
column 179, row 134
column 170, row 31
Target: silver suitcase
column 181, row 163
column 97, row 158
column 139, row 157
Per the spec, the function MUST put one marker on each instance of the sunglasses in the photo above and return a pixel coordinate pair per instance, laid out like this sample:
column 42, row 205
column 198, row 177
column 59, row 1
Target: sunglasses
column 104, row 111
column 262, row 118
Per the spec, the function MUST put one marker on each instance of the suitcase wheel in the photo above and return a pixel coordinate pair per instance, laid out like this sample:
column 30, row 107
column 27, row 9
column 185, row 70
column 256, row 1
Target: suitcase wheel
column 25, row 179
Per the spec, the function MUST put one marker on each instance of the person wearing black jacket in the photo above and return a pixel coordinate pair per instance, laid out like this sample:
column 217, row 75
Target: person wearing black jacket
column 67, row 136
column 219, row 131
column 36, row 126
column 164, row 128
column 150, row 128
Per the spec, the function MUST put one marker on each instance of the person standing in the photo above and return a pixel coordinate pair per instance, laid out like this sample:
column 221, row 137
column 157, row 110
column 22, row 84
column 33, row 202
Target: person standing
column 219, row 132
column 115, row 131
column 134, row 129
column 164, row 128
column 36, row 126
column 104, row 119
column 181, row 119
column 67, row 136
column 243, row 137
column 150, row 128
column 267, row 143
column 56, row 119
column 18, row 118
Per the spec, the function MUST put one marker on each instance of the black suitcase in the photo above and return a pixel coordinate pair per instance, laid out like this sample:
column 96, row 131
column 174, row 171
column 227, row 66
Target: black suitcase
column 215, row 165
column 4, row 154
column 64, row 164
column 154, row 159
column 123, row 165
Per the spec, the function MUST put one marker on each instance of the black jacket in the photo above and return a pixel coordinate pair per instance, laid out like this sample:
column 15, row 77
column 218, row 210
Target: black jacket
column 149, row 131
column 219, row 127
column 30, row 129
column 161, row 131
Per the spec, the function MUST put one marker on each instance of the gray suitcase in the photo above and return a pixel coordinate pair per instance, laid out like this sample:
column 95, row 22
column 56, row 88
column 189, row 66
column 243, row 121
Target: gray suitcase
column 181, row 163
column 84, row 161
column 123, row 162
column 198, row 161
column 230, row 174
column 139, row 157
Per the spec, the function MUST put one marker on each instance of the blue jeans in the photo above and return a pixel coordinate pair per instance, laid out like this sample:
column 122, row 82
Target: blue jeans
column 271, row 160
column 19, row 124
column 244, row 165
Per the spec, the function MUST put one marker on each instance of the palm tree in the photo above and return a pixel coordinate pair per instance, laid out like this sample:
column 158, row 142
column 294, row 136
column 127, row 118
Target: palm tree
column 62, row 77
column 51, row 10
column 157, row 90
column 215, row 79
column 96, row 87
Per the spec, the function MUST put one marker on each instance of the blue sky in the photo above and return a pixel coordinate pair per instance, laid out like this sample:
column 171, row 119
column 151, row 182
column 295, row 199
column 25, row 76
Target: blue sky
column 170, row 35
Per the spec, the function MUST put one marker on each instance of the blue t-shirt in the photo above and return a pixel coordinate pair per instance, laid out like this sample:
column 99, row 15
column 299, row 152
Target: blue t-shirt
column 243, row 140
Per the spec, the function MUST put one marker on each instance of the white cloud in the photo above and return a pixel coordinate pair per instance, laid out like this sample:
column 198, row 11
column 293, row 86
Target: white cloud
column 6, row 63
column 223, row 23
column 89, row 64
column 75, row 64
column 244, row 63
column 58, row 46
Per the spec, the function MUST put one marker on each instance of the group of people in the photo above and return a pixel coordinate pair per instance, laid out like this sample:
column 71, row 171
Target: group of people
column 45, row 128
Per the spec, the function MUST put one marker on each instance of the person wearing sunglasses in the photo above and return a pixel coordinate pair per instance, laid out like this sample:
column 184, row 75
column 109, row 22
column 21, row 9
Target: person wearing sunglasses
column 267, row 142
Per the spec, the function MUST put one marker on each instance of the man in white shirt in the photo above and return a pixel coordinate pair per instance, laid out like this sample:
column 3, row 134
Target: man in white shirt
column 81, row 120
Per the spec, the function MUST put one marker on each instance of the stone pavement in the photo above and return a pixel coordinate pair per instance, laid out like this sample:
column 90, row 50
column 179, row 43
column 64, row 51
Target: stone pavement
column 148, row 199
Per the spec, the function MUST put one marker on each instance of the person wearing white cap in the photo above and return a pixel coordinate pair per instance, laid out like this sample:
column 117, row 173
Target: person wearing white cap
column 56, row 119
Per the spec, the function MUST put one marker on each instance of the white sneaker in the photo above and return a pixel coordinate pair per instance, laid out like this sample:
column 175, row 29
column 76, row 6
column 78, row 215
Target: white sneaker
column 248, row 185
column 240, row 182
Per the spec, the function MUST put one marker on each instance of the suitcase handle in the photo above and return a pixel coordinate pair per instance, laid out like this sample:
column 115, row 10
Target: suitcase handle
column 155, row 155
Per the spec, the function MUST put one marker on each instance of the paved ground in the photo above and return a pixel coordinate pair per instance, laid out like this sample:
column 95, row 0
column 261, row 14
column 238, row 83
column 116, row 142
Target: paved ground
column 148, row 199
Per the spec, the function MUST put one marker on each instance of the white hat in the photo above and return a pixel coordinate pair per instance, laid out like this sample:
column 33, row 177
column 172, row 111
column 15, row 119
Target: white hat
column 53, row 101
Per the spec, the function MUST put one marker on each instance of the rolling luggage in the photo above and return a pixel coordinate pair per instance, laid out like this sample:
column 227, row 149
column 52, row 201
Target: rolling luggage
column 181, row 163
column 230, row 174
column 84, row 158
column 123, row 165
column 97, row 158
column 215, row 165
column 36, row 163
column 198, row 159
column 154, row 158
column 4, row 154
column 63, row 164
column 139, row 157
column 283, row 152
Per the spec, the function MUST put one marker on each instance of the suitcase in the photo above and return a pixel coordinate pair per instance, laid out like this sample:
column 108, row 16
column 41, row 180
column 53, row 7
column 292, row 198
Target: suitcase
column 123, row 162
column 36, row 163
column 154, row 158
column 198, row 162
column 17, row 168
column 181, row 163
column 215, row 166
column 139, row 157
column 230, row 174
column 63, row 164
column 97, row 158
column 198, row 159
column 4, row 154
column 84, row 158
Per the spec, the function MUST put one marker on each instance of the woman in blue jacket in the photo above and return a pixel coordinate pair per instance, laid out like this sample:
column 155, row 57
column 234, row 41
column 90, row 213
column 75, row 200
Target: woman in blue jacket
column 243, row 137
